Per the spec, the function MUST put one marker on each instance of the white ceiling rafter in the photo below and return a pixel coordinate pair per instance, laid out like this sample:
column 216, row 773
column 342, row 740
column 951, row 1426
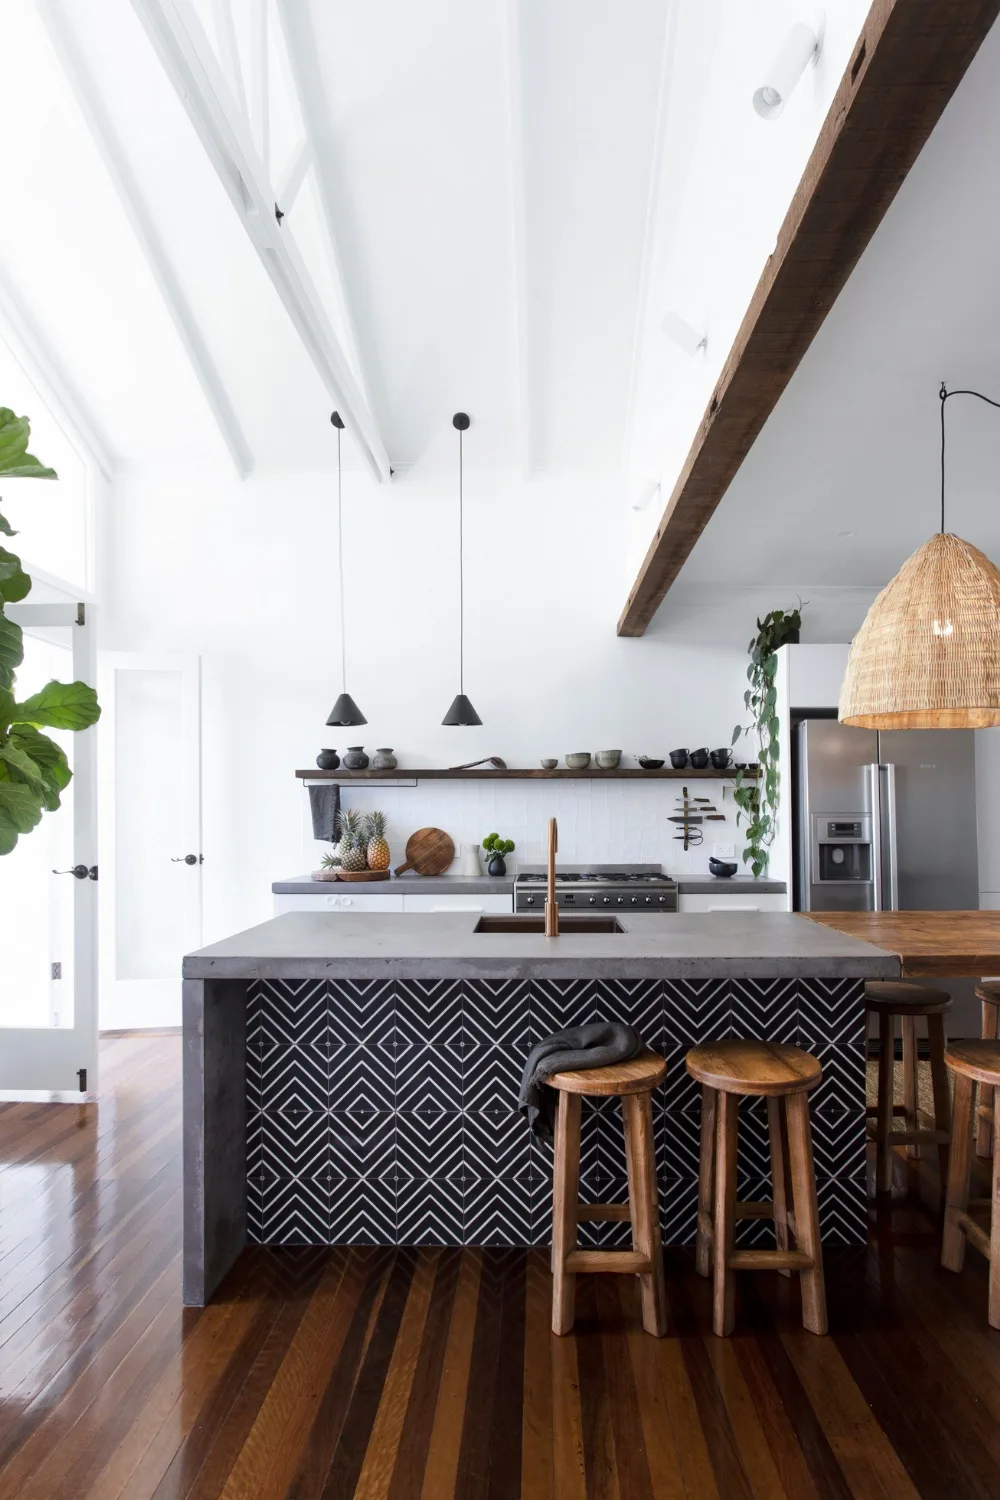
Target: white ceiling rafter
column 260, row 84
column 518, row 249
column 293, row 176
column 33, row 353
column 190, row 63
column 54, row 14
column 228, row 50
column 300, row 45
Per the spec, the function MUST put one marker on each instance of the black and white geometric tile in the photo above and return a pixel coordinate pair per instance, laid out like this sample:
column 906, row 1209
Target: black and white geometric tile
column 381, row 1112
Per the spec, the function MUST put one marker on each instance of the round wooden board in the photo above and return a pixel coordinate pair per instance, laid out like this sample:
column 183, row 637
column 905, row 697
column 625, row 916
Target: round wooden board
column 364, row 875
column 429, row 851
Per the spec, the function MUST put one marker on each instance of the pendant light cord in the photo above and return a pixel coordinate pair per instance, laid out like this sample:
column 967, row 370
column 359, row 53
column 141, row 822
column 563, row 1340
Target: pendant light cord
column 461, row 569
column 944, row 394
column 340, row 566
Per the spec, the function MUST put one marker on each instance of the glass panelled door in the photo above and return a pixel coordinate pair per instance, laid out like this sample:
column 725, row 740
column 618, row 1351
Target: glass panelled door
column 48, row 887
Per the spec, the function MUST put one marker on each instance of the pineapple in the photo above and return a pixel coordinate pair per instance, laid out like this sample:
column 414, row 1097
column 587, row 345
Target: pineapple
column 350, row 850
column 378, row 848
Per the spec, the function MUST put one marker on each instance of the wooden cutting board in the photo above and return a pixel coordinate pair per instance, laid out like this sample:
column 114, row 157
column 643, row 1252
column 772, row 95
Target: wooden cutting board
column 429, row 851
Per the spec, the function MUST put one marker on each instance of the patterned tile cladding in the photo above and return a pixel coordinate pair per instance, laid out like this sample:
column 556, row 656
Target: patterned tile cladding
column 385, row 1112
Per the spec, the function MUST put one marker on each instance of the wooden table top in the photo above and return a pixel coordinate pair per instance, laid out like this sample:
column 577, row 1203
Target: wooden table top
column 959, row 944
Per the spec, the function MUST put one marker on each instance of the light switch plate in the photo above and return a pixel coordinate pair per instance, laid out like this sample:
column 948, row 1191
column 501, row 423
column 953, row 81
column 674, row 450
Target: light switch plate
column 724, row 851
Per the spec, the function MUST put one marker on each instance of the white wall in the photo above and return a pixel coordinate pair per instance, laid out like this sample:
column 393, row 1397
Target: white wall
column 245, row 575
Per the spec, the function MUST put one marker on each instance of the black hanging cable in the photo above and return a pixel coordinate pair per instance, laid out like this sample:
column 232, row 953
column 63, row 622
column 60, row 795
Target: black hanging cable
column 461, row 567
column 944, row 395
column 340, row 567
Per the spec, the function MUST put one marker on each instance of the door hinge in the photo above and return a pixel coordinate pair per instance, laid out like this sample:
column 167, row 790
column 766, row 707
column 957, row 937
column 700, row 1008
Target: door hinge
column 56, row 970
column 81, row 1074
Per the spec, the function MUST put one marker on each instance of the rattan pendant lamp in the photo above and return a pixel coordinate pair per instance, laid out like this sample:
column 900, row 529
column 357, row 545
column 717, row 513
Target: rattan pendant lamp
column 928, row 653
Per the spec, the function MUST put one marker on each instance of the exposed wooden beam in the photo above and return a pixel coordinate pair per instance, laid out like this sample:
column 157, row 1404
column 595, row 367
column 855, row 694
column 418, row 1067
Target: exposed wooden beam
column 55, row 15
column 909, row 60
column 191, row 65
column 42, row 367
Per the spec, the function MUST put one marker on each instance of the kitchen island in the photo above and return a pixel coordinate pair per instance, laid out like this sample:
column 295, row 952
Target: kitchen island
column 353, row 1078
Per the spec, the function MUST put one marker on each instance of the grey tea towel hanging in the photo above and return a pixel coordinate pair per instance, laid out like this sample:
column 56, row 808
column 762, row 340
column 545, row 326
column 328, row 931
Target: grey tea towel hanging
column 325, row 804
column 595, row 1045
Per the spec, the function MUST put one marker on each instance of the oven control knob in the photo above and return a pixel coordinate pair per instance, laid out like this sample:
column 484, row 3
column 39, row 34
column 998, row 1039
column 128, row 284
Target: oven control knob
column 529, row 900
column 621, row 900
column 635, row 900
column 649, row 900
column 593, row 900
column 607, row 900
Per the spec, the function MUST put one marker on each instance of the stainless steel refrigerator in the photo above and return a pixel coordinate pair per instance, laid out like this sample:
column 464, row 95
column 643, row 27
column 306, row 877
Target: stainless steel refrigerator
column 885, row 821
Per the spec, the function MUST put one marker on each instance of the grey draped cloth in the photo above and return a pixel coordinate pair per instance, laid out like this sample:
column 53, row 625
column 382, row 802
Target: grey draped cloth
column 595, row 1045
column 325, row 804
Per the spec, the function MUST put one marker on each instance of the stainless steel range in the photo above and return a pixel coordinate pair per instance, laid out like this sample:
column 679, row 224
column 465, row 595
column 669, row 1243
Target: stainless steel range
column 580, row 887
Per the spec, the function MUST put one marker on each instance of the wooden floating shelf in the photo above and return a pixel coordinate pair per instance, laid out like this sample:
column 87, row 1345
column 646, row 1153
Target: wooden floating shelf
column 418, row 773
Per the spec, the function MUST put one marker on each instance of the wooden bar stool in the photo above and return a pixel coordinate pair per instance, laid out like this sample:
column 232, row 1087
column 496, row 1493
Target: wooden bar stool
column 972, row 1063
column 988, row 991
column 633, row 1082
column 888, row 999
column 783, row 1075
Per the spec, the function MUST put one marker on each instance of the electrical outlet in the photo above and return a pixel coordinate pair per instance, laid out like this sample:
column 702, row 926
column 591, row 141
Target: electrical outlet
column 724, row 851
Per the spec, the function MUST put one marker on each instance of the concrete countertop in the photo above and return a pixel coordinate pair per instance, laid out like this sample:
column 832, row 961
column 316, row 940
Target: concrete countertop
column 485, row 885
column 317, row 945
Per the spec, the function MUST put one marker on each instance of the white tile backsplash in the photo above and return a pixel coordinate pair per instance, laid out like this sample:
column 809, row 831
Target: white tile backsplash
column 611, row 821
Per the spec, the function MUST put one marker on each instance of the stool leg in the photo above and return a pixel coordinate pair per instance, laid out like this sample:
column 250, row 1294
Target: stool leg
column 883, row 1117
column 565, row 1198
column 806, row 1212
column 994, row 1306
column 960, row 1161
column 910, row 1081
column 984, row 1130
column 644, row 1206
column 706, row 1185
column 779, row 1172
column 724, row 1227
column 939, row 1082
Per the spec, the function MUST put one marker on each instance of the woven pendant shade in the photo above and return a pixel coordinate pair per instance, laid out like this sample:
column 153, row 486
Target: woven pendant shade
column 928, row 653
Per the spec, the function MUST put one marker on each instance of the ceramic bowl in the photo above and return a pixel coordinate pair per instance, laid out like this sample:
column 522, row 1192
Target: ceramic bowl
column 650, row 763
column 723, row 868
column 578, row 761
column 549, row 764
column 699, row 759
column 678, row 759
column 608, row 759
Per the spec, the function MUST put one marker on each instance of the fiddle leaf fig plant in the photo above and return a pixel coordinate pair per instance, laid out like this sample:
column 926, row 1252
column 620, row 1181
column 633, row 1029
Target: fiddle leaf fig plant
column 756, row 796
column 34, row 770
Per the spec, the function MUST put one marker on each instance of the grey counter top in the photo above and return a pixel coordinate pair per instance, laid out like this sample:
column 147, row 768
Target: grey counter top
column 316, row 945
column 485, row 885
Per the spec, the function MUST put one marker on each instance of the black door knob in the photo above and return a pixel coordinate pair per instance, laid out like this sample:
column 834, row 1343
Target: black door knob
column 80, row 872
column 188, row 859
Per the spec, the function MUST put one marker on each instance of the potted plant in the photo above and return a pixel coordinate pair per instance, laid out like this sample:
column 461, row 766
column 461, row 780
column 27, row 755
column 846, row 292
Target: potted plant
column 33, row 768
column 756, row 796
column 497, row 848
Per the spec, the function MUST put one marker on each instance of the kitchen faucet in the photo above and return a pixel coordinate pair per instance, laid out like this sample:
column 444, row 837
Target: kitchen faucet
column 551, row 909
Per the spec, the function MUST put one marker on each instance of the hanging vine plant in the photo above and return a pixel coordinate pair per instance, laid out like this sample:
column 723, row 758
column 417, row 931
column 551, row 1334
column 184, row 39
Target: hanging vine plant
column 756, row 797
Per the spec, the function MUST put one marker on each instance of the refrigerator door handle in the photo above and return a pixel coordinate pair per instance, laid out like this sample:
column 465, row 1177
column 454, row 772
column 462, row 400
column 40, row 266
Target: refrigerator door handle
column 892, row 860
column 875, row 800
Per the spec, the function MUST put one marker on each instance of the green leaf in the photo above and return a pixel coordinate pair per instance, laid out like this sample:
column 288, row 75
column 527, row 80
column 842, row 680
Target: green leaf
column 20, row 804
column 11, row 650
column 50, row 759
column 6, row 709
column 6, row 527
column 15, row 460
column 18, row 760
column 9, row 564
column 60, row 705
column 8, row 834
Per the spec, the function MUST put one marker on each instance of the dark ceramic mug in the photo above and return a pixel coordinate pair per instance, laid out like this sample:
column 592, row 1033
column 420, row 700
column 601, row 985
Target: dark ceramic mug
column 699, row 758
column 678, row 759
column 721, row 759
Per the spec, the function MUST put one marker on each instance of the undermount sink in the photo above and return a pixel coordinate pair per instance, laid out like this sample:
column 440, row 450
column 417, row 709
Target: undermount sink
column 567, row 925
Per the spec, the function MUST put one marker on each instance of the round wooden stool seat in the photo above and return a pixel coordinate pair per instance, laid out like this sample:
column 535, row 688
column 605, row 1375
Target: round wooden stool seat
column 896, row 997
column 989, row 991
column 759, row 1068
column 988, row 994
column 641, row 1074
column 978, row 1060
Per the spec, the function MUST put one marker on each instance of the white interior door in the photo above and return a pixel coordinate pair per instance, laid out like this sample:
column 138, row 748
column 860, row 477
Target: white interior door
column 151, row 854
column 48, row 887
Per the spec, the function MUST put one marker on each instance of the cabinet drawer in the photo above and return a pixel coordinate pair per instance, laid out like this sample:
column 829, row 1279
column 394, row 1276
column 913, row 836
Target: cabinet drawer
column 738, row 901
column 458, row 903
column 343, row 900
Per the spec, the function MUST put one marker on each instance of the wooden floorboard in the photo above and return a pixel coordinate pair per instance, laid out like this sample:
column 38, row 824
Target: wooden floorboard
column 327, row 1374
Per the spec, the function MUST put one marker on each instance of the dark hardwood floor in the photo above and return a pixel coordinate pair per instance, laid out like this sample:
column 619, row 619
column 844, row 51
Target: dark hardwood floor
column 355, row 1372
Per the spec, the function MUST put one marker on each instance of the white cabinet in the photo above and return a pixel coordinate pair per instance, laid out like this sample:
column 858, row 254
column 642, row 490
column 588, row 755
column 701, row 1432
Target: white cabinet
column 737, row 901
column 337, row 901
column 446, row 903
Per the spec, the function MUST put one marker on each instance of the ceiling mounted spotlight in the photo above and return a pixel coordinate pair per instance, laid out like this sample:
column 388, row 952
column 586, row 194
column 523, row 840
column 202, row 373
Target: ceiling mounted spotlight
column 801, row 46
column 681, row 333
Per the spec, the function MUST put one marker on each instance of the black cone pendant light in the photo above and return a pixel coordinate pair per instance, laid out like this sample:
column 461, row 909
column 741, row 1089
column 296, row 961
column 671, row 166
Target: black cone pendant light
column 461, row 710
column 345, row 712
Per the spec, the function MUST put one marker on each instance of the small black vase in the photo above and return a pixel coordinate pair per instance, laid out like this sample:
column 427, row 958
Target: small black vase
column 328, row 760
column 497, row 867
column 355, row 758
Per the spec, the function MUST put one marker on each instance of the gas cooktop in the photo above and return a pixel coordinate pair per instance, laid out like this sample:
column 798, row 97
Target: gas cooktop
column 641, row 886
